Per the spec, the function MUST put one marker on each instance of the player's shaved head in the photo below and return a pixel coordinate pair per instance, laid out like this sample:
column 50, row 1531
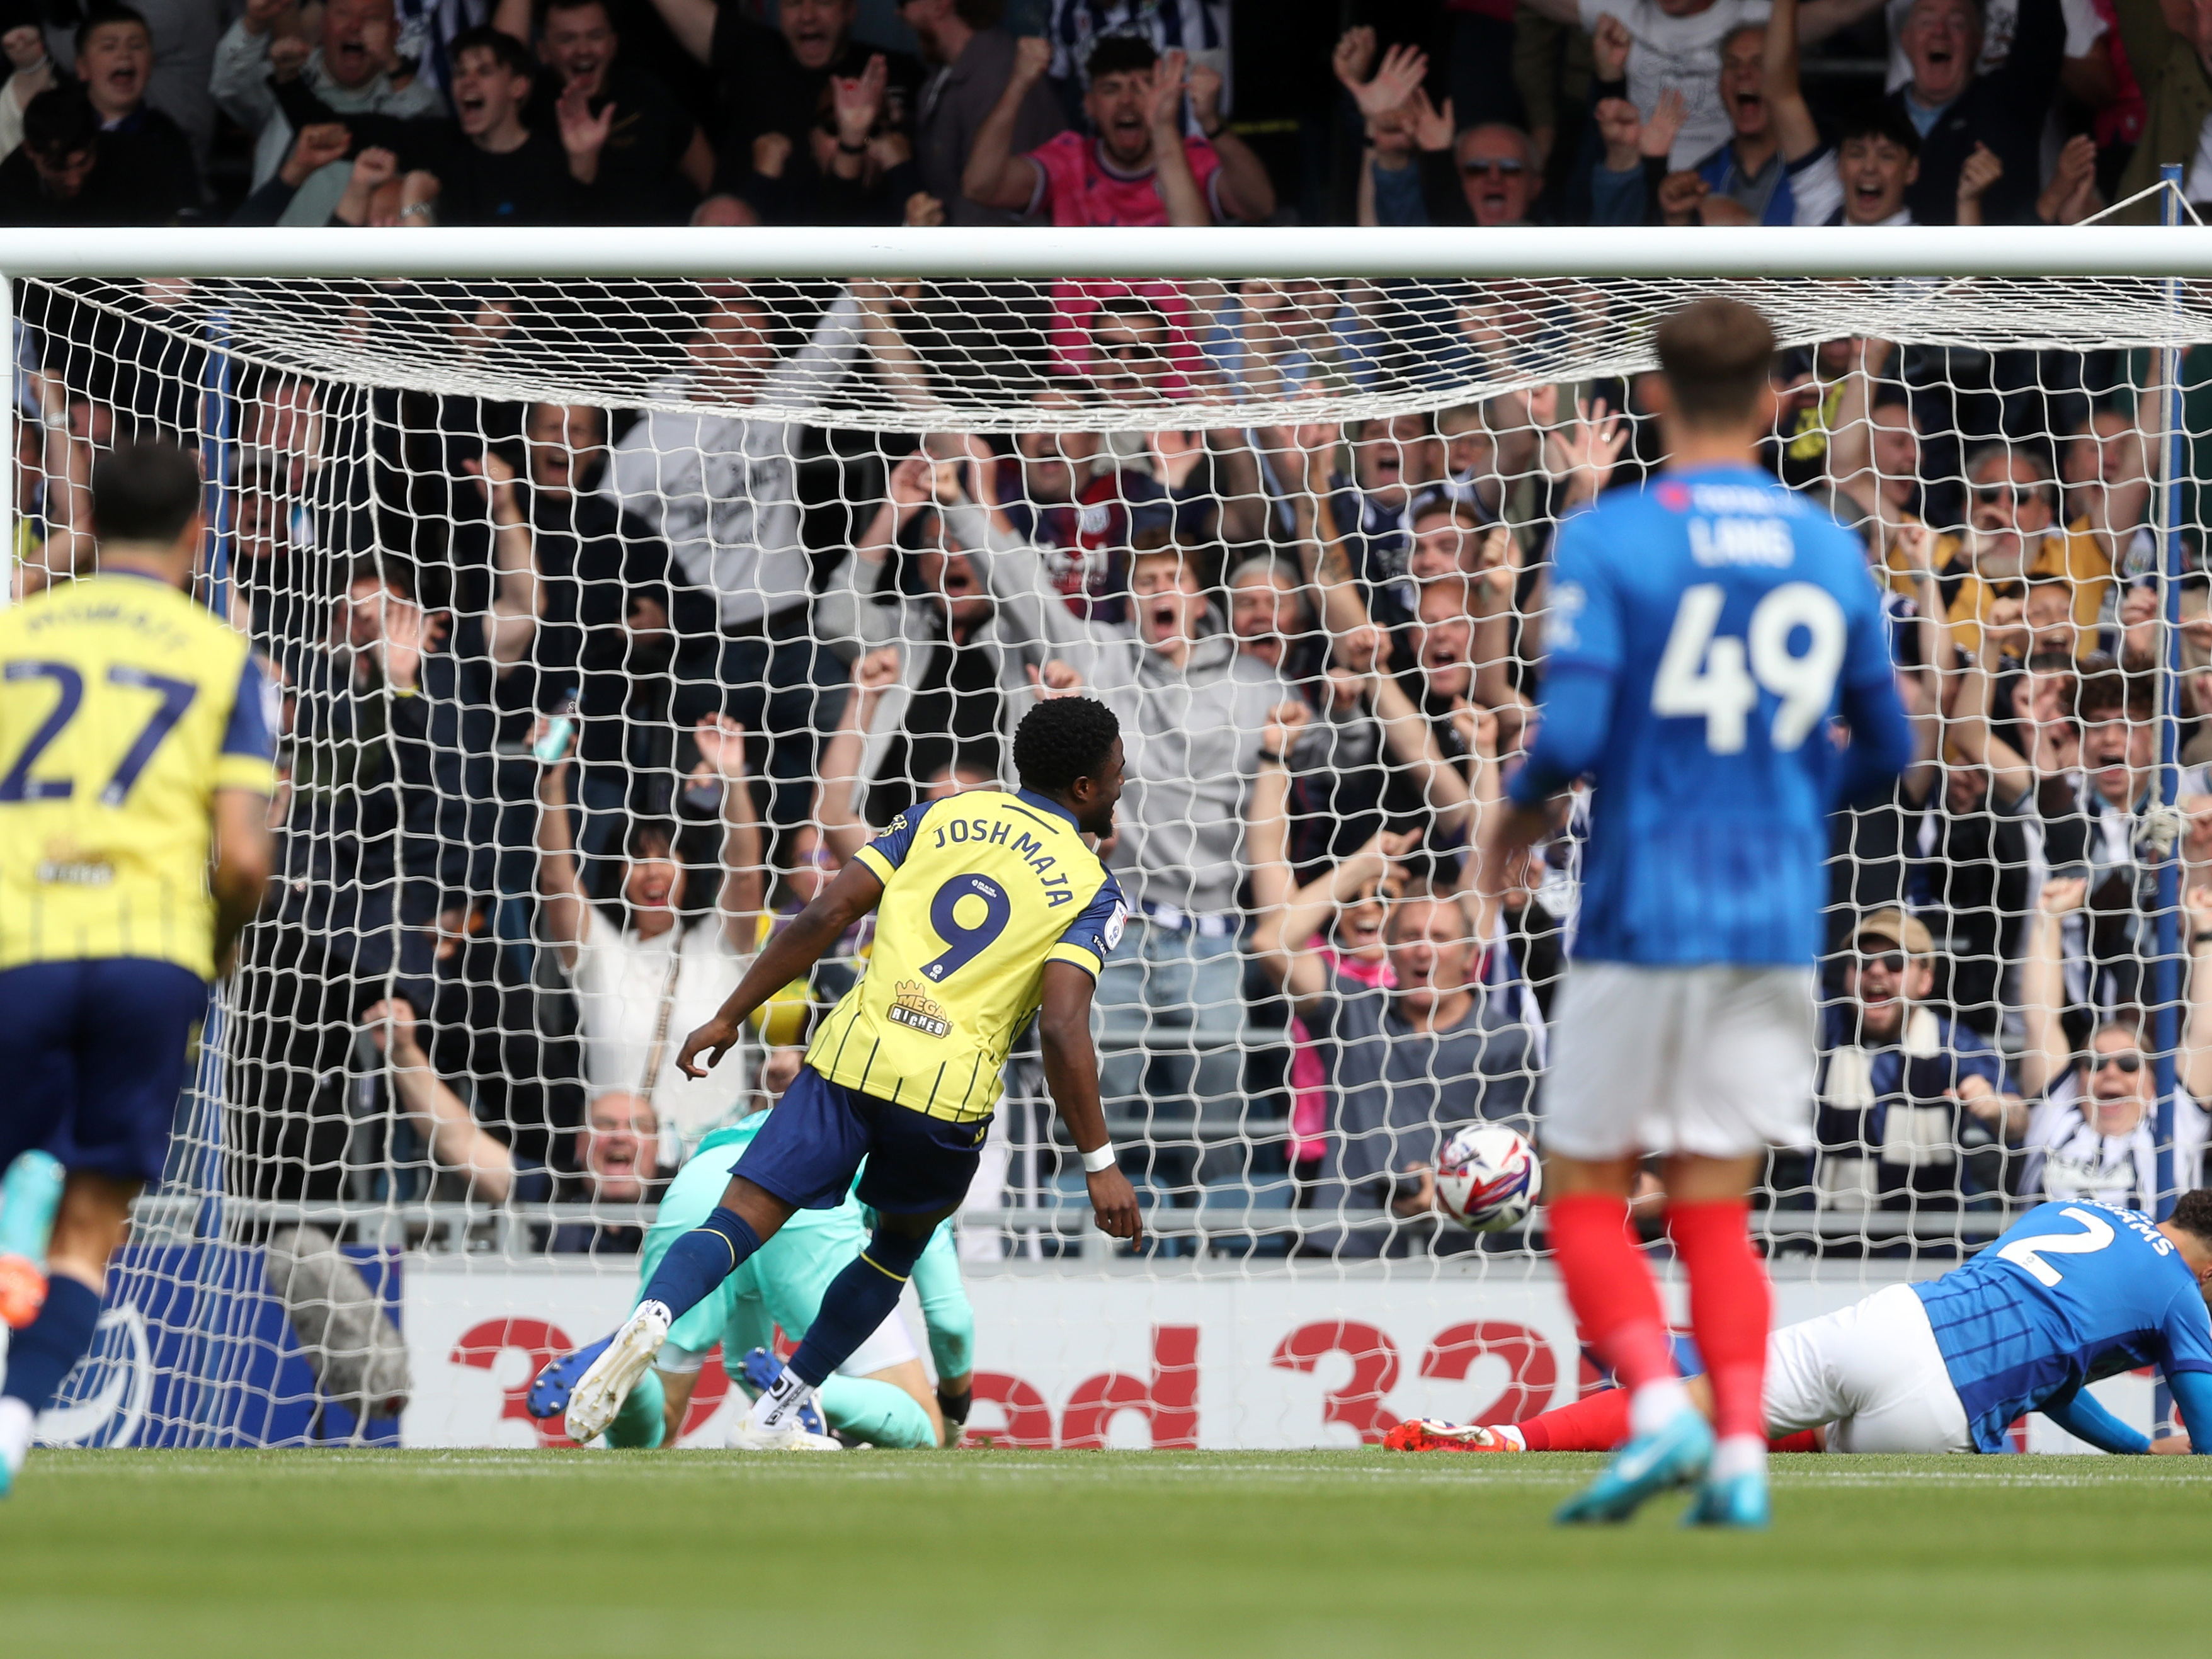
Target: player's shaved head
column 145, row 491
column 1715, row 354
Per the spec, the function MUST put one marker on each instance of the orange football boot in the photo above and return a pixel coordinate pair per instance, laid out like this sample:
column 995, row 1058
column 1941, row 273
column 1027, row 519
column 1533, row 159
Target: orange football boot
column 22, row 1292
column 1426, row 1434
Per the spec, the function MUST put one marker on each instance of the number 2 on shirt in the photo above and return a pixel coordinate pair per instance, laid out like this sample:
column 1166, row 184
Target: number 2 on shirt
column 176, row 697
column 2029, row 1252
column 1719, row 677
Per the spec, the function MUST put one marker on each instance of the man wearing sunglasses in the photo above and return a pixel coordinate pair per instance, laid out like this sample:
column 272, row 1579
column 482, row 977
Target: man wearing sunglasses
column 1915, row 1108
column 2095, row 1133
column 1499, row 172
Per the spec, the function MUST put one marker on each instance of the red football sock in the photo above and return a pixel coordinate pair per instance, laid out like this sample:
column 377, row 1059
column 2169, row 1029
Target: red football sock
column 1731, row 1306
column 1596, row 1422
column 1599, row 1422
column 1614, row 1299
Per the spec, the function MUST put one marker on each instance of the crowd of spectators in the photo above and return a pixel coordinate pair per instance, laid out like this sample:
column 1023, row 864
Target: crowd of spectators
column 580, row 702
column 1490, row 112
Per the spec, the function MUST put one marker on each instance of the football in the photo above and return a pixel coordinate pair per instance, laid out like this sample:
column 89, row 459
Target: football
column 1488, row 1178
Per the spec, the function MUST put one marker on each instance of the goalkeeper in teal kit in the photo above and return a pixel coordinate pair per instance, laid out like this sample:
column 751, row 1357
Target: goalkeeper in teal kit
column 880, row 1395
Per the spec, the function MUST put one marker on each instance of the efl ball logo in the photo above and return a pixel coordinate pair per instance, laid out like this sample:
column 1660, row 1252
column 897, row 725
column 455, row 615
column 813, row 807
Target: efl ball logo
column 1488, row 1178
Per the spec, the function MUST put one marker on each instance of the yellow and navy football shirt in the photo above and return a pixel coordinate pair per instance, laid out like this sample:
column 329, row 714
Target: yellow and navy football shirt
column 124, row 706
column 981, row 891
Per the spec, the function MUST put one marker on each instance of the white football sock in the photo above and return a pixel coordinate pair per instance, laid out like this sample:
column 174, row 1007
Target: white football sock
column 1738, row 1454
column 1651, row 1406
column 15, row 1421
column 788, row 1395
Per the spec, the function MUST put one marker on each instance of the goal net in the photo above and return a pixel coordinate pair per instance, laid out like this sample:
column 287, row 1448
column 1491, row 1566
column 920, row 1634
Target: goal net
column 608, row 618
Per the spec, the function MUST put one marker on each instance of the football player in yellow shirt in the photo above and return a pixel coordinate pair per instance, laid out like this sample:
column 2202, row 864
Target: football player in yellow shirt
column 990, row 907
column 136, row 769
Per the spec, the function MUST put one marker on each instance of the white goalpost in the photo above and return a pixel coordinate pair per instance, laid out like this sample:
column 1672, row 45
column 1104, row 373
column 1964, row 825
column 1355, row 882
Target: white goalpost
column 528, row 523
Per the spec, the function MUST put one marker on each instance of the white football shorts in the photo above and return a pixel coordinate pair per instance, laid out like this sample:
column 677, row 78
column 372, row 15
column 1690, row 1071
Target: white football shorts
column 890, row 1344
column 1714, row 1061
column 1872, row 1373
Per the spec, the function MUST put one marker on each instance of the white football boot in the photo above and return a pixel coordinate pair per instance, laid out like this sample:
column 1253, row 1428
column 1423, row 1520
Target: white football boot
column 789, row 1436
column 600, row 1391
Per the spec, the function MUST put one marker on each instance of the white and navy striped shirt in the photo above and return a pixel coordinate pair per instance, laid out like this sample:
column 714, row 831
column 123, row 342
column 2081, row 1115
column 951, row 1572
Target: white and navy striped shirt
column 1191, row 25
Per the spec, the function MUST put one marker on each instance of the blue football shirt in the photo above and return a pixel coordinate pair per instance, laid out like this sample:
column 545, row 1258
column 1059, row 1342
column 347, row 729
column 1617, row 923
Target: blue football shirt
column 1703, row 632
column 2070, row 1294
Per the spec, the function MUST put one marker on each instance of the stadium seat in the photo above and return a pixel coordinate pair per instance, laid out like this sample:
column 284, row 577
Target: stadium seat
column 1256, row 1213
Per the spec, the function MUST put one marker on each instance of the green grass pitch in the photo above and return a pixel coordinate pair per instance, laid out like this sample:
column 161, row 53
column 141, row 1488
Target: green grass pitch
column 1068, row 1555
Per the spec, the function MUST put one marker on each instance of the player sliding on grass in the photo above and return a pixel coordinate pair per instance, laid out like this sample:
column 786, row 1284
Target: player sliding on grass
column 2073, row 1292
column 1703, row 634
column 879, row 1393
column 136, row 768
column 990, row 907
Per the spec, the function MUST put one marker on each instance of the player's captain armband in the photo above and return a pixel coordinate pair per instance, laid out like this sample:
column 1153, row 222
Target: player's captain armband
column 887, row 851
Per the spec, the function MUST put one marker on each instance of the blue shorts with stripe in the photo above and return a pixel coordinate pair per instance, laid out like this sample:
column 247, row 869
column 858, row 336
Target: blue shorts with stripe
column 93, row 1052
column 814, row 1141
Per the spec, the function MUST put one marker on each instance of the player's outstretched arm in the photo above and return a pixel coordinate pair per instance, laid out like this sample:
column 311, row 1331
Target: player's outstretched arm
column 2080, row 1416
column 2192, row 1392
column 1071, row 1071
column 791, row 953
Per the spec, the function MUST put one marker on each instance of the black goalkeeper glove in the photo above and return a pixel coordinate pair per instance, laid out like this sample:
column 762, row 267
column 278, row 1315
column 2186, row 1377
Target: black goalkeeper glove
column 956, row 1408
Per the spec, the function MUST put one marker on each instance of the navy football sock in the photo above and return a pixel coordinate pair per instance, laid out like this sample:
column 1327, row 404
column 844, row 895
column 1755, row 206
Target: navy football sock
column 700, row 1260
column 858, row 1300
column 41, row 1354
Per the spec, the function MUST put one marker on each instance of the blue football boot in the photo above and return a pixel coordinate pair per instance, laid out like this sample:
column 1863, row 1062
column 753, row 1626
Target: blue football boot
column 550, row 1389
column 1739, row 1501
column 757, row 1374
column 1674, row 1455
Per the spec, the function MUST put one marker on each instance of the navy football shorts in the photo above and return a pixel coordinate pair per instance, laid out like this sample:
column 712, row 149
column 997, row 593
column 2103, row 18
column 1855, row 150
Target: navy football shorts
column 94, row 1054
column 814, row 1140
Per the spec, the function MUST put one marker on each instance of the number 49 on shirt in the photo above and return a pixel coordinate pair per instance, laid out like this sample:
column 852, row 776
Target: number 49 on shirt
column 1794, row 648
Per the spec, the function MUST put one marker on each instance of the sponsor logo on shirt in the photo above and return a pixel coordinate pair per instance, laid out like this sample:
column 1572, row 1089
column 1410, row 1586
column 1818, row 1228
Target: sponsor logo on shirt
column 1740, row 498
column 913, row 1007
column 75, row 872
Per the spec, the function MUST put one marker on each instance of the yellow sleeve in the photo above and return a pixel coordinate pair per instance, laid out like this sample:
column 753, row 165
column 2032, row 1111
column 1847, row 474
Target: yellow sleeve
column 882, row 867
column 1066, row 950
column 248, row 772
